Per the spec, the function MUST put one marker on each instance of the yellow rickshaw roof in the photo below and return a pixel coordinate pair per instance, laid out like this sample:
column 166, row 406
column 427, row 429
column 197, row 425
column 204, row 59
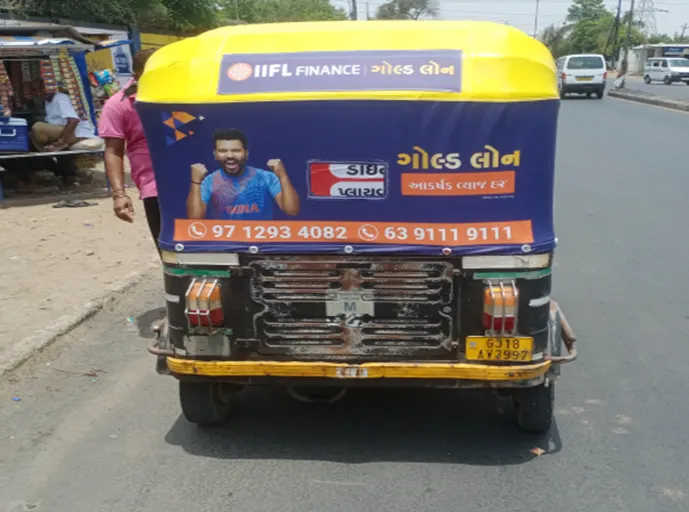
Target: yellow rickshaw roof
column 498, row 63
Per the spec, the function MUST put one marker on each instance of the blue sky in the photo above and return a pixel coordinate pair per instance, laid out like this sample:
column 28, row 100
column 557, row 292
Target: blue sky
column 520, row 13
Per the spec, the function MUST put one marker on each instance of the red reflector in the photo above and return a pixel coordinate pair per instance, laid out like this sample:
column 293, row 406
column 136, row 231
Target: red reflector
column 500, row 306
column 497, row 323
column 201, row 317
column 204, row 307
column 564, row 76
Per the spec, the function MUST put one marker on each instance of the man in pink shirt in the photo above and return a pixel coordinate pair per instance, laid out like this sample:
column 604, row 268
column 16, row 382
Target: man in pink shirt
column 121, row 129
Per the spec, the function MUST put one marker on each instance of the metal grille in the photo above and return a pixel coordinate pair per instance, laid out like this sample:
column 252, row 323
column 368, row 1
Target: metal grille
column 362, row 306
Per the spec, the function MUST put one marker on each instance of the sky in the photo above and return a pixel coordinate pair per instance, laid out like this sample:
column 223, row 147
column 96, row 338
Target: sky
column 521, row 13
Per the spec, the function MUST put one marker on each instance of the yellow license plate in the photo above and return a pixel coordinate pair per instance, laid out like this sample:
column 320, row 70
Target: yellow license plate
column 485, row 348
column 584, row 78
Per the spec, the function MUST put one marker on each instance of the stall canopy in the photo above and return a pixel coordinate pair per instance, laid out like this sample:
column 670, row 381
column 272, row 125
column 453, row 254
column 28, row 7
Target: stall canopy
column 30, row 41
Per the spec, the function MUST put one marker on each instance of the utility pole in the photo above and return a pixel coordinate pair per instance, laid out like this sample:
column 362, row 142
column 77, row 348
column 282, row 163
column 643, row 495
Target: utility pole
column 354, row 13
column 614, row 34
column 625, row 61
column 535, row 20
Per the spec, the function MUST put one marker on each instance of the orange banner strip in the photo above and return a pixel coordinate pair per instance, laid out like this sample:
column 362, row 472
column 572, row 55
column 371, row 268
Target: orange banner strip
column 465, row 184
column 260, row 232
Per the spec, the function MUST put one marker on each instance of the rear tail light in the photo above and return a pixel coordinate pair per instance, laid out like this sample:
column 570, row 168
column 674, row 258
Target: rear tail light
column 564, row 76
column 605, row 75
column 204, row 305
column 500, row 307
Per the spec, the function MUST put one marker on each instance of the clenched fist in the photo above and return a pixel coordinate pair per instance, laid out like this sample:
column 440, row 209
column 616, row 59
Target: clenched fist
column 198, row 172
column 277, row 167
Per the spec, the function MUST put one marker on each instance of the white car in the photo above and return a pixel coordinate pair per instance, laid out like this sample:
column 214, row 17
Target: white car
column 582, row 74
column 666, row 70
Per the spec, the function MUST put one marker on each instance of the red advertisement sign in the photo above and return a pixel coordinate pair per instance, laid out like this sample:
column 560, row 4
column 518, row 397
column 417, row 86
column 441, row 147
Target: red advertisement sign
column 346, row 180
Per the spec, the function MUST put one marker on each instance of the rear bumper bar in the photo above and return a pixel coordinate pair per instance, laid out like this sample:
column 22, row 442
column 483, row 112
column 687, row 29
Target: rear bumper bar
column 459, row 371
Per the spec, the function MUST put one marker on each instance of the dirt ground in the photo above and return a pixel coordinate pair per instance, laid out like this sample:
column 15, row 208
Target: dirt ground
column 55, row 259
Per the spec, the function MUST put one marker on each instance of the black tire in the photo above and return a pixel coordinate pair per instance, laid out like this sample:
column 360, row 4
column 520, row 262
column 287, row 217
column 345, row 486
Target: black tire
column 686, row 83
column 534, row 407
column 647, row 79
column 588, row 94
column 562, row 95
column 599, row 95
column 667, row 80
column 205, row 404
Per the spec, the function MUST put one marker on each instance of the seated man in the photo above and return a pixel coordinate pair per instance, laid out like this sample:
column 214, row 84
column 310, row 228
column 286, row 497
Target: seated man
column 62, row 128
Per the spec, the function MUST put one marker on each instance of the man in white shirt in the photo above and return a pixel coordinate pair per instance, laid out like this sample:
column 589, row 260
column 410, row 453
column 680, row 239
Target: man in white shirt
column 62, row 128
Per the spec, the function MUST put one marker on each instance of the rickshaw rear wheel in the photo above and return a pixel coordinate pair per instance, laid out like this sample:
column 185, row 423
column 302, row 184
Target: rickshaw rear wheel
column 206, row 403
column 534, row 407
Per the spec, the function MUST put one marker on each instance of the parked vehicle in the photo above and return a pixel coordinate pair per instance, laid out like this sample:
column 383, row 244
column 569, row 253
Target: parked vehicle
column 375, row 215
column 582, row 74
column 667, row 70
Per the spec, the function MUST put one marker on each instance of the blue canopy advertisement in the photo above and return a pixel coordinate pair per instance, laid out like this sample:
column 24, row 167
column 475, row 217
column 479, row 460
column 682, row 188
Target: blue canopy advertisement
column 406, row 177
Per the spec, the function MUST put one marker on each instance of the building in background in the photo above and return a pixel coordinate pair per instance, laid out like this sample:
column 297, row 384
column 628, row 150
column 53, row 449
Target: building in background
column 639, row 54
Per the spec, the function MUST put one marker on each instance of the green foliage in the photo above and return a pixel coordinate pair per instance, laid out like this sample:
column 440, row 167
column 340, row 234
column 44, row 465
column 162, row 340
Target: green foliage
column 582, row 10
column 184, row 16
column 274, row 11
column 407, row 10
column 590, row 29
column 678, row 38
column 556, row 38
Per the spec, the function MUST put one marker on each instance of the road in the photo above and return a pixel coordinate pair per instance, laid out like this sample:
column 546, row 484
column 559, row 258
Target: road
column 674, row 91
column 97, row 429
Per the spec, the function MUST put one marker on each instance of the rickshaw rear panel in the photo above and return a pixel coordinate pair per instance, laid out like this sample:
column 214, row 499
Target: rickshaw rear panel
column 376, row 214
column 353, row 309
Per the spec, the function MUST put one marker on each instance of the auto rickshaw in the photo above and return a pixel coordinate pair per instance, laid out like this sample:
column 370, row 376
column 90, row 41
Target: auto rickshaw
column 357, row 204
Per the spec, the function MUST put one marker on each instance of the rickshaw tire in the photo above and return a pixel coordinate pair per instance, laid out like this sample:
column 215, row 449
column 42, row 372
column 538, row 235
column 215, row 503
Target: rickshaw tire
column 534, row 408
column 205, row 404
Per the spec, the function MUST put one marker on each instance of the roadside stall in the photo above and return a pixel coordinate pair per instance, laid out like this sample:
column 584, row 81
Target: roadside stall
column 31, row 60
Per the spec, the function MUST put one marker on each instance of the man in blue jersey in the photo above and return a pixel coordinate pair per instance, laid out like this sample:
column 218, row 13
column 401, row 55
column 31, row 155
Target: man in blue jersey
column 237, row 191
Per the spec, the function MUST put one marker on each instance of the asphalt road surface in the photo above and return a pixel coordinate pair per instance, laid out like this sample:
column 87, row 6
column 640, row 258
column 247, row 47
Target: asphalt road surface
column 97, row 429
column 677, row 91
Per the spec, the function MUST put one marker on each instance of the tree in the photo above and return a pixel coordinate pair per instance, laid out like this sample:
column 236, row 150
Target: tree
column 274, row 11
column 407, row 10
column 591, row 28
column 582, row 10
column 183, row 15
column 556, row 38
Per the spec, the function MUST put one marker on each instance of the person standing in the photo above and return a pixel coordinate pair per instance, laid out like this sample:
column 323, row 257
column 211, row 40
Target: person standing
column 120, row 127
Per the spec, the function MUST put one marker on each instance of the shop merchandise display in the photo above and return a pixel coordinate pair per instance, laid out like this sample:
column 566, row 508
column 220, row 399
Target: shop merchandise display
column 6, row 91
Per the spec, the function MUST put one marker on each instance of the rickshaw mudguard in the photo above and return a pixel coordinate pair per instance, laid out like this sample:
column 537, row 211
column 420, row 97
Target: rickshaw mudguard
column 391, row 218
